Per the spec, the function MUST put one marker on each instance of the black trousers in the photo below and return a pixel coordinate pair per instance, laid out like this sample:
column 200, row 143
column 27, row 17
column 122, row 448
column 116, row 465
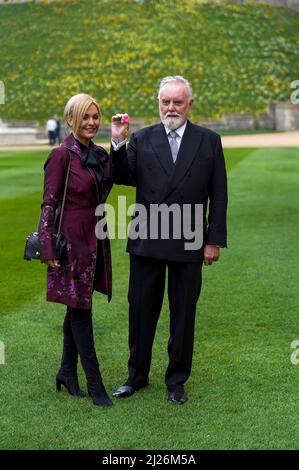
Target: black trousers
column 146, row 292
column 51, row 135
column 78, row 340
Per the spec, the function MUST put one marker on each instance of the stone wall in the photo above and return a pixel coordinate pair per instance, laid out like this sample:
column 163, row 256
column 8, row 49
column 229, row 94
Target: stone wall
column 279, row 117
column 20, row 136
column 286, row 117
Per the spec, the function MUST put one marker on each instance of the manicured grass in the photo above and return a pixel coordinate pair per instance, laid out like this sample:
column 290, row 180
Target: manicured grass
column 243, row 392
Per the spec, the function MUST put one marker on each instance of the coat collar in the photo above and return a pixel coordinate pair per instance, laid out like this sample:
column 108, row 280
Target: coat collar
column 71, row 144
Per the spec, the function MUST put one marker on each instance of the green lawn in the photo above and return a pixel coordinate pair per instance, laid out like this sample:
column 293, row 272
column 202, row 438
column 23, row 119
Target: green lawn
column 243, row 392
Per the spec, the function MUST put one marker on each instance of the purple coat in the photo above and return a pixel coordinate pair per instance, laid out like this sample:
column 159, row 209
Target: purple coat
column 88, row 260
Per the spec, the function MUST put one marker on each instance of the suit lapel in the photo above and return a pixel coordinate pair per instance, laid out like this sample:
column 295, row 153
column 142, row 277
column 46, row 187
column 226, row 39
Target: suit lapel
column 161, row 147
column 188, row 150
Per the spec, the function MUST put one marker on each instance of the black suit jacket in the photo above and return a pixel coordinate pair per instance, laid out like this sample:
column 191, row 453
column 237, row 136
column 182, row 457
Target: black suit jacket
column 197, row 177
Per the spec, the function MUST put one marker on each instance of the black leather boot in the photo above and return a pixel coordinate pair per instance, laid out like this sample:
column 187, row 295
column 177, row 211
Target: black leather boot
column 99, row 395
column 82, row 330
column 67, row 374
column 70, row 383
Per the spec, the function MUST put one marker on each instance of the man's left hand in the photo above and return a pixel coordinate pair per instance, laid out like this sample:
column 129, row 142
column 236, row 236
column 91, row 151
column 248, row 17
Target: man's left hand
column 211, row 254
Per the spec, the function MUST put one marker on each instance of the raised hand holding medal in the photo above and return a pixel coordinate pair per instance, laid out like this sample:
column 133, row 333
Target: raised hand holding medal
column 119, row 127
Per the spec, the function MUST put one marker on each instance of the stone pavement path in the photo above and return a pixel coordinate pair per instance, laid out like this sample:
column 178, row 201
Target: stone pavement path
column 279, row 139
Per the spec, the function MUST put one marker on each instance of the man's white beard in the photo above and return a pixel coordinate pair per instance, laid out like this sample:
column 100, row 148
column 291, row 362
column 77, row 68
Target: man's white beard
column 173, row 122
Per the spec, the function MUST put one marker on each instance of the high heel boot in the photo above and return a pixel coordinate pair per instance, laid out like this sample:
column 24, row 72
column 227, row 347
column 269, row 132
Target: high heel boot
column 67, row 374
column 99, row 395
column 71, row 384
column 82, row 330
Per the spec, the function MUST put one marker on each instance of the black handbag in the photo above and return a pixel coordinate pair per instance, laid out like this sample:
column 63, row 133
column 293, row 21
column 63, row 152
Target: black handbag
column 33, row 245
column 33, row 248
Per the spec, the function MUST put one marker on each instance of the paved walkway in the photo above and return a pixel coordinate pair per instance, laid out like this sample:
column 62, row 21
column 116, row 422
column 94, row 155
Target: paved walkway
column 279, row 139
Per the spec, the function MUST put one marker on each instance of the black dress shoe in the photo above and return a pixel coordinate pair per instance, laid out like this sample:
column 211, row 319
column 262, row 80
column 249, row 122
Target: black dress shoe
column 126, row 391
column 177, row 397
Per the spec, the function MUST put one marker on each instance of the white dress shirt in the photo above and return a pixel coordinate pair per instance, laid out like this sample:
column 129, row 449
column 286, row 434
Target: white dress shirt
column 180, row 132
column 51, row 125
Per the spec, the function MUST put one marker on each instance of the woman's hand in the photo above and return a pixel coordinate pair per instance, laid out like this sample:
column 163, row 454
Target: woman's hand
column 53, row 263
column 119, row 127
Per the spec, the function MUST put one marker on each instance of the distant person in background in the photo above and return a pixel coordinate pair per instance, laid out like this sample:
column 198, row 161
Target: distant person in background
column 57, row 130
column 51, row 129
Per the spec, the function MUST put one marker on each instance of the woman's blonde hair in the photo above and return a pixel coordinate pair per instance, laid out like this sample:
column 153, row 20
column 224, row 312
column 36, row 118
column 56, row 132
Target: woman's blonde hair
column 76, row 108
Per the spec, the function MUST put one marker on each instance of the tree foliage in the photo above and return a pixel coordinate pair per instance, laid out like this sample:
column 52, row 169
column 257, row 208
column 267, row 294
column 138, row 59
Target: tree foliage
column 238, row 57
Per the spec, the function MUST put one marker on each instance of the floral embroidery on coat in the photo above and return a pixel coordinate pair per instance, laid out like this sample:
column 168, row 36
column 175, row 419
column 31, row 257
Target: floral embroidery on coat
column 79, row 275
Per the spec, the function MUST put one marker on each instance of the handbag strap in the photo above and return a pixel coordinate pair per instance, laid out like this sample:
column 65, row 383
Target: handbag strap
column 64, row 193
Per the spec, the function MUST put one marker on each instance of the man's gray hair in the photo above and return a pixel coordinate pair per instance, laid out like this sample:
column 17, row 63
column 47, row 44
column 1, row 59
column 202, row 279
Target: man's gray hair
column 176, row 78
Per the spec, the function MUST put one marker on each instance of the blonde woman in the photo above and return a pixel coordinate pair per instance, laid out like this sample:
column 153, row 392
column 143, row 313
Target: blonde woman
column 87, row 264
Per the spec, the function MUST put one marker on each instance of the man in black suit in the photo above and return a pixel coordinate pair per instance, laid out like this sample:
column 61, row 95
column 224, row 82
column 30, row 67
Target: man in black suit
column 172, row 164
